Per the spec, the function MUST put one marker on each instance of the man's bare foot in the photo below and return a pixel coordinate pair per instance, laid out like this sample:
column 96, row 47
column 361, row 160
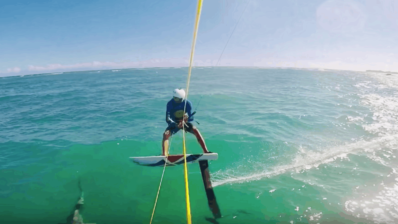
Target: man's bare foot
column 81, row 201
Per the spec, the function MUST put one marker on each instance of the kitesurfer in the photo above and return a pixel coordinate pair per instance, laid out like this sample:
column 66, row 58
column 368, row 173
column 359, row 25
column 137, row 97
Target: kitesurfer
column 176, row 118
column 75, row 217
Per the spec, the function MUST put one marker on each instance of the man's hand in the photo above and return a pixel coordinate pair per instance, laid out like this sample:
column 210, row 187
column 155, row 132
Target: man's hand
column 180, row 124
column 184, row 121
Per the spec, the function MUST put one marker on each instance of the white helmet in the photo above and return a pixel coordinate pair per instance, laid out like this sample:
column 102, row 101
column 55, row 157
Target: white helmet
column 179, row 93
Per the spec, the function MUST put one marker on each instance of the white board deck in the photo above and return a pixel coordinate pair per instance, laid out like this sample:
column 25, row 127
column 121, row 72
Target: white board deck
column 172, row 160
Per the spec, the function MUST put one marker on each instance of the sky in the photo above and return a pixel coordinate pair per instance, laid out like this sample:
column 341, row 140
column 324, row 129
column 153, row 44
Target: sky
column 44, row 36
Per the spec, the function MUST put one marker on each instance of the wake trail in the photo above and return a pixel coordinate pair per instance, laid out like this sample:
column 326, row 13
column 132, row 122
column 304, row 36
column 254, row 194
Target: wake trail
column 309, row 160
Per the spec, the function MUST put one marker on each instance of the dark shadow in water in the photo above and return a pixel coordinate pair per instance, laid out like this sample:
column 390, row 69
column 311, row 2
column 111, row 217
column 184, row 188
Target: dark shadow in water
column 212, row 220
column 69, row 218
column 244, row 212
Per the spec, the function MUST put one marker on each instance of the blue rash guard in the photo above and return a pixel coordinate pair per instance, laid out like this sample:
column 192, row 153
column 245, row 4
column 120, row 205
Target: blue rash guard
column 174, row 109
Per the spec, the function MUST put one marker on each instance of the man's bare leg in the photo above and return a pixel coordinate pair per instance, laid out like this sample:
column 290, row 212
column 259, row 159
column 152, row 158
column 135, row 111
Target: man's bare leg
column 200, row 139
column 165, row 143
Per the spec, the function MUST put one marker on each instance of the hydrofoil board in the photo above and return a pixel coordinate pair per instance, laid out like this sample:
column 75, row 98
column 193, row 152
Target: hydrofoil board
column 172, row 160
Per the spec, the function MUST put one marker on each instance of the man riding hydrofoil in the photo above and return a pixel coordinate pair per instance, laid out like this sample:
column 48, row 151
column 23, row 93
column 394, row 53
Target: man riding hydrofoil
column 176, row 118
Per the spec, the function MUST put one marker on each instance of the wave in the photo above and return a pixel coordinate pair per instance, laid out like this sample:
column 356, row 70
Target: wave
column 306, row 160
column 380, row 207
column 383, row 127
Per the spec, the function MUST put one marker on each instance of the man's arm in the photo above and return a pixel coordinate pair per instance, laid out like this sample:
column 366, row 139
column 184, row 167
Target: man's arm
column 189, row 111
column 168, row 118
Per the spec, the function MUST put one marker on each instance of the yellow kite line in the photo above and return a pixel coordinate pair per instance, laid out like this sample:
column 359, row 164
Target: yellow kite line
column 195, row 33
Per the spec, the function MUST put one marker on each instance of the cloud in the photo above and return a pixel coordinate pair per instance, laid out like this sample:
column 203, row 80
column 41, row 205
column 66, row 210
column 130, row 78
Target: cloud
column 341, row 16
column 52, row 67
column 12, row 70
column 178, row 62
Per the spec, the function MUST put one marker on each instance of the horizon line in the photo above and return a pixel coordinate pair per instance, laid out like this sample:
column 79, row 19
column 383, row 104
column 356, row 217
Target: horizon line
column 206, row 66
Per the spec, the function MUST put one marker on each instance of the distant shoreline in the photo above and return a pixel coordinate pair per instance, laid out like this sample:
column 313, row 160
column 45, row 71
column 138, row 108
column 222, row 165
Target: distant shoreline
column 382, row 71
column 196, row 67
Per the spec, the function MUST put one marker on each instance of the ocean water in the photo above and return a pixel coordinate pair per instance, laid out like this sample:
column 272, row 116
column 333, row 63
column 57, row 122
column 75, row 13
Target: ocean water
column 295, row 146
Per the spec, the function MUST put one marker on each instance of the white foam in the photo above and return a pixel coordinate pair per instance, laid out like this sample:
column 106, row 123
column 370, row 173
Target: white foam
column 304, row 160
column 387, row 80
column 353, row 119
column 381, row 208
column 384, row 107
column 365, row 84
column 385, row 114
column 316, row 216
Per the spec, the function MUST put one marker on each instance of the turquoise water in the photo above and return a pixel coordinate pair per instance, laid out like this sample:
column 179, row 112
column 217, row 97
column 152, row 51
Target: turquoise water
column 295, row 146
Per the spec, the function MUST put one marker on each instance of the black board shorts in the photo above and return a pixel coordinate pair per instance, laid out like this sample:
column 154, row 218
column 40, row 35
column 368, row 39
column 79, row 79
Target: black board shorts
column 173, row 128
